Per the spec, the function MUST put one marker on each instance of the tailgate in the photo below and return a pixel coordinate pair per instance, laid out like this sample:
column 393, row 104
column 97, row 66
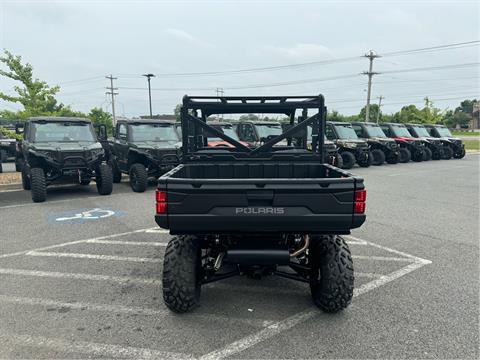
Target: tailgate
column 260, row 205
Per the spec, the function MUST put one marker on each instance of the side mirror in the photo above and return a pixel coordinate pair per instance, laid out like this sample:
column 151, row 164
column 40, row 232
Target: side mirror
column 19, row 128
column 102, row 132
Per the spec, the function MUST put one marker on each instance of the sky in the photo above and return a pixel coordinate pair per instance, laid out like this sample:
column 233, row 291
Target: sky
column 75, row 44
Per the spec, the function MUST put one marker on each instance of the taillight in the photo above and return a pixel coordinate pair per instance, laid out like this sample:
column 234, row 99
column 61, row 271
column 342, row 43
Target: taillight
column 360, row 198
column 161, row 197
column 361, row 195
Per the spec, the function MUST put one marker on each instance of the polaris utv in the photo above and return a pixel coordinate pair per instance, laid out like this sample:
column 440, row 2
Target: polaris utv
column 382, row 148
column 256, row 133
column 142, row 149
column 452, row 146
column 257, row 211
column 7, row 147
column 433, row 147
column 332, row 156
column 351, row 148
column 58, row 150
column 410, row 147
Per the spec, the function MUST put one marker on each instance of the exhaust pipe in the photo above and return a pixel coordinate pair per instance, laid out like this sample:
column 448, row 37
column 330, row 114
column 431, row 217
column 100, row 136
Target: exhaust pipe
column 258, row 256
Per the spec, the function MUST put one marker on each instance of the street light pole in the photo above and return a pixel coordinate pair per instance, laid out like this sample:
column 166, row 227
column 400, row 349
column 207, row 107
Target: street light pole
column 148, row 76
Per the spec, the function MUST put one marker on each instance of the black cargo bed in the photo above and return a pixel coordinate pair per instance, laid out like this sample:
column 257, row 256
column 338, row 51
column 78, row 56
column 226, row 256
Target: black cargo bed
column 259, row 197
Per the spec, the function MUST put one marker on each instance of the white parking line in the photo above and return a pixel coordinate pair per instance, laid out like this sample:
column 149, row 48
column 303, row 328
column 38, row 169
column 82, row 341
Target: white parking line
column 111, row 236
column 119, row 242
column 92, row 348
column 79, row 276
column 286, row 324
column 352, row 240
column 94, row 256
column 139, row 310
column 381, row 258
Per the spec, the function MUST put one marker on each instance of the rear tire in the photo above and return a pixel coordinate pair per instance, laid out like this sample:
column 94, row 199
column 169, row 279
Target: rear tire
column 116, row 173
column 378, row 157
column 427, row 154
column 182, row 273
column 138, row 177
column 331, row 273
column 103, row 178
column 38, row 185
column 25, row 178
column 405, row 155
column 447, row 153
column 348, row 160
column 1, row 167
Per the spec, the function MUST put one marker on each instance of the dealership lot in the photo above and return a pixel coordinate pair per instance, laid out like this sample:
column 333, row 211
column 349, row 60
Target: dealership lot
column 81, row 275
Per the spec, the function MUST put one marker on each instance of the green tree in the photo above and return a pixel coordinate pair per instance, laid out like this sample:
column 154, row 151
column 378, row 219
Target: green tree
column 100, row 117
column 466, row 106
column 430, row 114
column 372, row 114
column 177, row 110
column 454, row 119
column 249, row 117
column 407, row 114
column 36, row 96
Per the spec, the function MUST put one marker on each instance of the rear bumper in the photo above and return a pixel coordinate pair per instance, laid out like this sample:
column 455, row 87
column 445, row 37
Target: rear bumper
column 232, row 224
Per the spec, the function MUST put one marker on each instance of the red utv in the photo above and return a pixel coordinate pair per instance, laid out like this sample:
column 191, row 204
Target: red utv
column 410, row 148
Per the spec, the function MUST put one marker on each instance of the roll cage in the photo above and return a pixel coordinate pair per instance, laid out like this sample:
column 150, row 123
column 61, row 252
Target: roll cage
column 196, row 109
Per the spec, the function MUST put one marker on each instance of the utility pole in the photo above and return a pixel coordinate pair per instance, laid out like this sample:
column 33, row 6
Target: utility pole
column 148, row 76
column 219, row 92
column 371, row 55
column 380, row 98
column 113, row 93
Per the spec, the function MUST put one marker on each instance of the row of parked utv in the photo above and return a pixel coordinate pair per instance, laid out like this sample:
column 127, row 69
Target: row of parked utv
column 71, row 150
column 375, row 144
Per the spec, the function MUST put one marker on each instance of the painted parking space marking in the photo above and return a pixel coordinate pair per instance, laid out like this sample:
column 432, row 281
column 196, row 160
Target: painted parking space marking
column 123, row 309
column 92, row 214
column 74, row 242
column 94, row 256
column 79, row 276
column 92, row 348
column 267, row 328
column 303, row 316
column 119, row 242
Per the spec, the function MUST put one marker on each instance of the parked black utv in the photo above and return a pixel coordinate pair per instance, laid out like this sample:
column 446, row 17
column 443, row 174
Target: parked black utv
column 382, row 148
column 143, row 149
column 433, row 147
column 61, row 150
column 410, row 147
column 452, row 146
column 257, row 211
column 351, row 148
column 332, row 156
column 7, row 147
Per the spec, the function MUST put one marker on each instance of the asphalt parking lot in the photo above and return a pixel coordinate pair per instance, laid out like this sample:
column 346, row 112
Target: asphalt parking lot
column 81, row 274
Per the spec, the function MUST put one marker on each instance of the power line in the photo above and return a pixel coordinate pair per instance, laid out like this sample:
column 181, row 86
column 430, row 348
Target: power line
column 312, row 63
column 431, row 68
column 434, row 48
column 81, row 80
